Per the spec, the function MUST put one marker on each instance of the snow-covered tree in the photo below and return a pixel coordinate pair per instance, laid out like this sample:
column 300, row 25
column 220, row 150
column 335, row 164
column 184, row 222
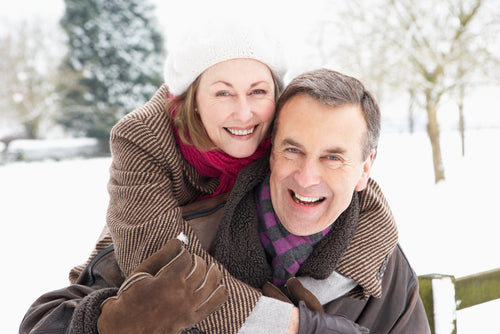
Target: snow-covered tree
column 114, row 63
column 28, row 62
column 427, row 49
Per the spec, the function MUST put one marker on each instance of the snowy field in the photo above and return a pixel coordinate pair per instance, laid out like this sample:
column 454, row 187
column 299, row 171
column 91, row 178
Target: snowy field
column 52, row 213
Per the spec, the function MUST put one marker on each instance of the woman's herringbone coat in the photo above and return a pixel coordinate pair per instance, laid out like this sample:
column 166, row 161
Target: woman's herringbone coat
column 149, row 181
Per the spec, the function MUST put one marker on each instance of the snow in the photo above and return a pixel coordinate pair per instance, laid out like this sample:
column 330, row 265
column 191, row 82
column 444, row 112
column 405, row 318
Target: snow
column 52, row 213
column 55, row 211
column 443, row 295
column 57, row 149
column 452, row 219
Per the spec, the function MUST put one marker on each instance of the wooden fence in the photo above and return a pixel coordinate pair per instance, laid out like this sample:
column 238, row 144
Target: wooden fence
column 443, row 295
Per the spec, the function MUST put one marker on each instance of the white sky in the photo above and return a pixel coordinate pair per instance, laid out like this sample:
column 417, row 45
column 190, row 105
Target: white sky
column 291, row 19
column 28, row 9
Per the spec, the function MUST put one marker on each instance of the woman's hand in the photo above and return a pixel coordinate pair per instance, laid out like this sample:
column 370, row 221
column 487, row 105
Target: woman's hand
column 169, row 291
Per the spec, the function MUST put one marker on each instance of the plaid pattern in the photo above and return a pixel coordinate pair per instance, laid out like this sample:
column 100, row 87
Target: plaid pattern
column 285, row 251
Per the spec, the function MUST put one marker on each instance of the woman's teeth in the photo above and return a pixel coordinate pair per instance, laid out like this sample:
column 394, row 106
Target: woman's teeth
column 240, row 132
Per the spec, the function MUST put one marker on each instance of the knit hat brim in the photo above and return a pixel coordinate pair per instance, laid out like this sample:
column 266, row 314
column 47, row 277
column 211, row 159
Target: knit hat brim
column 203, row 47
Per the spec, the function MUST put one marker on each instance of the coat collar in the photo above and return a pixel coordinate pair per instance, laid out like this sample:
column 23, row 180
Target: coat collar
column 376, row 237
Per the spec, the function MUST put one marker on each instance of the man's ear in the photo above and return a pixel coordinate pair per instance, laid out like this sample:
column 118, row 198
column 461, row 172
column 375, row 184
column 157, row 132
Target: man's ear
column 367, row 166
column 271, row 159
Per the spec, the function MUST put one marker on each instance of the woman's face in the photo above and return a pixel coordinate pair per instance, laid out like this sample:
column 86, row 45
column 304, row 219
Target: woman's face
column 235, row 100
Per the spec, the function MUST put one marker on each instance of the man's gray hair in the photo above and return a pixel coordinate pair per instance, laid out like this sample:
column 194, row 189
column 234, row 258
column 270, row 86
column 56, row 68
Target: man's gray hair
column 336, row 89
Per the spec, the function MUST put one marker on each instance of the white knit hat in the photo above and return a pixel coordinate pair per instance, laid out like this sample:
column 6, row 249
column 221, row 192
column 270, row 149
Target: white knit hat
column 206, row 45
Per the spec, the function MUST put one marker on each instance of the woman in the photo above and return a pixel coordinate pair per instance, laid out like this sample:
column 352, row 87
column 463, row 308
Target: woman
column 191, row 140
column 210, row 119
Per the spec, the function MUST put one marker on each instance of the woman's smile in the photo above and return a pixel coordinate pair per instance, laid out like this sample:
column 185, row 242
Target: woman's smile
column 241, row 132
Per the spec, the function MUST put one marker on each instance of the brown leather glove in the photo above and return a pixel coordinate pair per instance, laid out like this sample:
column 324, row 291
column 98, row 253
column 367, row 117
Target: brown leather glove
column 169, row 291
column 296, row 291
column 272, row 291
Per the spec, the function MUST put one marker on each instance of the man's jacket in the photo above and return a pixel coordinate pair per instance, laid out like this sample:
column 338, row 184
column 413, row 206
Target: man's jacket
column 357, row 270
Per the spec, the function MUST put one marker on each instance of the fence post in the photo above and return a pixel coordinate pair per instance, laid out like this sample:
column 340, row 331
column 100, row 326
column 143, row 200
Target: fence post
column 438, row 295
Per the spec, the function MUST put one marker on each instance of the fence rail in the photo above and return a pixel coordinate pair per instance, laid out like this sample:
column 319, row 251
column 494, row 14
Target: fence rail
column 443, row 295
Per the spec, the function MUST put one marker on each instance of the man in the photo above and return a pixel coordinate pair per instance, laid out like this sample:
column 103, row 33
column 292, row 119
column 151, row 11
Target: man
column 293, row 220
column 306, row 222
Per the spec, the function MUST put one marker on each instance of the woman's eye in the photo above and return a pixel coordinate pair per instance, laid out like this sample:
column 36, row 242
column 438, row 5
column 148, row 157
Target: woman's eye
column 222, row 94
column 258, row 91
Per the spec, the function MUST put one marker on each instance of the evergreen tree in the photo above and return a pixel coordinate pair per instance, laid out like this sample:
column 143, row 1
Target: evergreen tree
column 114, row 63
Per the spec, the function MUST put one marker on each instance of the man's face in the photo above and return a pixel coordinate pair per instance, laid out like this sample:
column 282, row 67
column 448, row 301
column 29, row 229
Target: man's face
column 316, row 163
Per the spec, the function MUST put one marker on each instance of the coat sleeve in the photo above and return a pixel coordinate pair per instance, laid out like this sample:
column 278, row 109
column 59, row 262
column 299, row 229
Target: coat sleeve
column 148, row 183
column 400, row 309
column 53, row 311
column 77, row 304
column 406, row 310
column 76, row 308
column 143, row 211
column 392, row 314
column 413, row 318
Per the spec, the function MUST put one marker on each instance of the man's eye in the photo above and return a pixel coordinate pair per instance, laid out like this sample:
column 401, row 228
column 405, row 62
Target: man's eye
column 333, row 158
column 293, row 150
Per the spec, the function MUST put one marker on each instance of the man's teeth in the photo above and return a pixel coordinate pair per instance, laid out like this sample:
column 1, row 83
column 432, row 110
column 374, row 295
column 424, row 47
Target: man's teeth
column 308, row 200
column 241, row 132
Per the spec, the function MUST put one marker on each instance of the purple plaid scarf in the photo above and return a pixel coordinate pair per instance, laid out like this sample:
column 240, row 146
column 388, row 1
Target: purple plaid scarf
column 285, row 251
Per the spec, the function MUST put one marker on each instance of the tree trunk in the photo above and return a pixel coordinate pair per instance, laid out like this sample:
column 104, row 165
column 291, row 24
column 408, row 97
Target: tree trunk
column 433, row 132
column 411, row 112
column 32, row 127
column 461, row 120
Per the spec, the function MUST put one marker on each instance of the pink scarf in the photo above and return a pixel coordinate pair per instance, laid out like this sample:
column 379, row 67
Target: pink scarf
column 216, row 163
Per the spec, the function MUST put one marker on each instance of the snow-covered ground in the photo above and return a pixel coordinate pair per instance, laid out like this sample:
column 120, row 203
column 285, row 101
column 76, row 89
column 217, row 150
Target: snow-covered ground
column 52, row 213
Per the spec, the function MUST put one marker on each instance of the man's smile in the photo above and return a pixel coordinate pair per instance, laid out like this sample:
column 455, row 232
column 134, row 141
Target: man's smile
column 305, row 200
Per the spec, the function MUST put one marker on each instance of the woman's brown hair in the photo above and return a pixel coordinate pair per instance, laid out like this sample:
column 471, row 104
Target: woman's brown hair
column 188, row 121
